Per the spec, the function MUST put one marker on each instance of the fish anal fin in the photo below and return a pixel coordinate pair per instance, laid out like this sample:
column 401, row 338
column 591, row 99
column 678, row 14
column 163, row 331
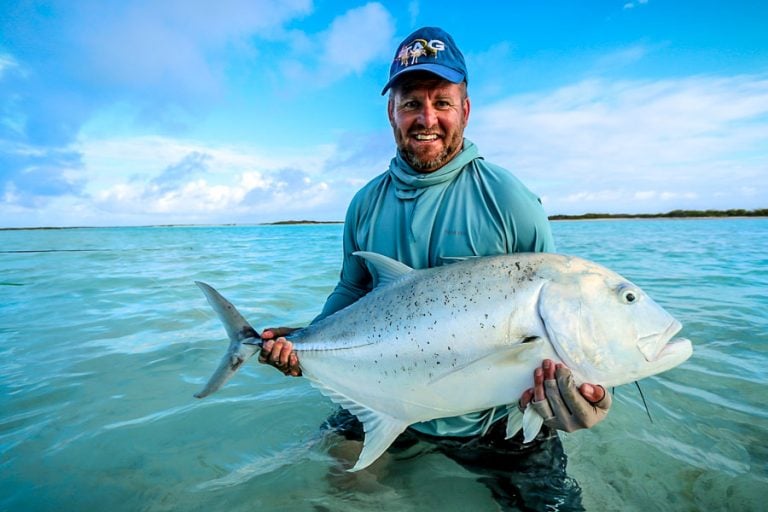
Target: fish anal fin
column 380, row 429
column 380, row 432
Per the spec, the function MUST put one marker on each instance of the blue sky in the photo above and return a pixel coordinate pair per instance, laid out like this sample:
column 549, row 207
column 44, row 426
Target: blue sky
column 166, row 112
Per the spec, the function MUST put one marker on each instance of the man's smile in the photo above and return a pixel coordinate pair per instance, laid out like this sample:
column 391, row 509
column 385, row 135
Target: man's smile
column 426, row 137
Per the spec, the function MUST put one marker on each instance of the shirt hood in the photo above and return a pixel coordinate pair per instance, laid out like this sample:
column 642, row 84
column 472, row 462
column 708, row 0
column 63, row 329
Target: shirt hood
column 409, row 183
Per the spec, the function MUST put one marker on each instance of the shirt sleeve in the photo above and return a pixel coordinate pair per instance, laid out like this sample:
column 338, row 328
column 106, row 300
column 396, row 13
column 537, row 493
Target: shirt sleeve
column 524, row 215
column 533, row 230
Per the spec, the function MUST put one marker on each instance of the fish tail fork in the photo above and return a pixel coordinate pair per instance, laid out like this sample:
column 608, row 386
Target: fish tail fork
column 244, row 342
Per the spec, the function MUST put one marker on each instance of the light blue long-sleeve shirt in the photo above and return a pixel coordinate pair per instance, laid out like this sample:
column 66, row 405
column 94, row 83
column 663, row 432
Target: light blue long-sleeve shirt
column 466, row 208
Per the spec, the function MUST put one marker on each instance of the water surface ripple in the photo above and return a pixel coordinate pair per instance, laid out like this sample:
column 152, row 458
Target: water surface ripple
column 104, row 339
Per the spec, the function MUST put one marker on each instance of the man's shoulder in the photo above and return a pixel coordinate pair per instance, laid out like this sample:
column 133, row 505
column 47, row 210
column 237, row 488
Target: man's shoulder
column 502, row 180
column 362, row 197
column 373, row 184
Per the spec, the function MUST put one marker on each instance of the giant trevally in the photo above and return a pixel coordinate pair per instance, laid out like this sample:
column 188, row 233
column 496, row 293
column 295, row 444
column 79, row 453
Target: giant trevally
column 466, row 337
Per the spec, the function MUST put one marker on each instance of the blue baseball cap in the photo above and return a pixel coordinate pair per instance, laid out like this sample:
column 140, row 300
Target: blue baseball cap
column 429, row 49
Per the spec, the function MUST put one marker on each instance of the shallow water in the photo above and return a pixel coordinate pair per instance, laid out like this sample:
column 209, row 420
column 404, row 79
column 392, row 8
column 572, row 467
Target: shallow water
column 104, row 339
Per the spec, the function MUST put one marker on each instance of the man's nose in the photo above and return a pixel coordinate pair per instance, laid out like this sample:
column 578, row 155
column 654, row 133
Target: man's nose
column 428, row 116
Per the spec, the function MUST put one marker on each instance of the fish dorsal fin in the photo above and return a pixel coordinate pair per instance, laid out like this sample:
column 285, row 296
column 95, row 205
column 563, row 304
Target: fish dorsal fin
column 387, row 269
column 381, row 430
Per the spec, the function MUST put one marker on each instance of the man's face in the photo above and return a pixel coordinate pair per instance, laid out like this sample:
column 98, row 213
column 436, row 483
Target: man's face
column 428, row 118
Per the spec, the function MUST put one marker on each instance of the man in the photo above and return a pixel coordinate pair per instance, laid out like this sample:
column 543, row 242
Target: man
column 438, row 202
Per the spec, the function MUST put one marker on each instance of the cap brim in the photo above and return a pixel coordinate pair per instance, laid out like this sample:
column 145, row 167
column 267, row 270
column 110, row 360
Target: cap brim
column 446, row 73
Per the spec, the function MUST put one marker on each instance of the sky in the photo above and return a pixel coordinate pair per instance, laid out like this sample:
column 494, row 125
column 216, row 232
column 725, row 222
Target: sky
column 146, row 112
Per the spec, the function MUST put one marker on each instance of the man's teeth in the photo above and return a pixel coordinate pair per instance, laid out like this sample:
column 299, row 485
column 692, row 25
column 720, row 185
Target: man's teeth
column 431, row 136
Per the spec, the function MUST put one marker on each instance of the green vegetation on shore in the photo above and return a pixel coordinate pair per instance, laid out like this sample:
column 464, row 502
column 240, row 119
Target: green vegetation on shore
column 288, row 222
column 674, row 214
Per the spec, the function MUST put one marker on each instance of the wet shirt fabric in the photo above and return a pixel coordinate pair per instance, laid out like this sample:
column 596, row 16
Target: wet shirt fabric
column 467, row 208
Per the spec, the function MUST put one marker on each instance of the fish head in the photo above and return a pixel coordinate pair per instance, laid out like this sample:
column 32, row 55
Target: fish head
column 606, row 328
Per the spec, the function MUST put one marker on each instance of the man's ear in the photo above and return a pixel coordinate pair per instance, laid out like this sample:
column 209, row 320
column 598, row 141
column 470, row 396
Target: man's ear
column 467, row 108
column 391, row 111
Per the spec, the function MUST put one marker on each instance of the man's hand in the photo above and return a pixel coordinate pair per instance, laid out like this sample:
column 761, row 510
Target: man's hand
column 564, row 407
column 278, row 351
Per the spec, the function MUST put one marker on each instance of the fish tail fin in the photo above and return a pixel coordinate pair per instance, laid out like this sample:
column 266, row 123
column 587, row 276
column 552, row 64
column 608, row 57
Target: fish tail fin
column 244, row 341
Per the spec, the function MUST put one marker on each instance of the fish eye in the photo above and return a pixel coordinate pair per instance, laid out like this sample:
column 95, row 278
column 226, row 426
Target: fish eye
column 628, row 295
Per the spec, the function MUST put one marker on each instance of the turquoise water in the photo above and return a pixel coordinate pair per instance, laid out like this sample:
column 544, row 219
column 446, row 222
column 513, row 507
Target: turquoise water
column 104, row 339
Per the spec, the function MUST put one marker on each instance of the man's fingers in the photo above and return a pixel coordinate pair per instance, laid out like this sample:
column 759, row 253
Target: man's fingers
column 525, row 399
column 276, row 332
column 266, row 350
column 544, row 373
column 592, row 393
column 549, row 369
column 281, row 351
column 538, row 385
column 555, row 399
column 276, row 352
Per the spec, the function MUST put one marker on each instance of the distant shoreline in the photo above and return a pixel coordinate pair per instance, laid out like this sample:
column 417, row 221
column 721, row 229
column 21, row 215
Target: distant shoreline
column 291, row 222
column 674, row 214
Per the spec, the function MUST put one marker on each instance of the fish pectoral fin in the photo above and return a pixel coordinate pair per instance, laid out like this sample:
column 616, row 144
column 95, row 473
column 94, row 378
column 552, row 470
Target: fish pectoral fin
column 532, row 423
column 494, row 357
column 380, row 432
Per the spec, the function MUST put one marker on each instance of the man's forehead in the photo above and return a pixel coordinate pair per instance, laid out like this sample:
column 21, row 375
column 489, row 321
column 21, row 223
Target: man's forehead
column 431, row 86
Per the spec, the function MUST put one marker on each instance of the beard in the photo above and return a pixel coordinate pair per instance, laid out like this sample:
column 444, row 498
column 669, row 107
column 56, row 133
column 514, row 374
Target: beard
column 446, row 155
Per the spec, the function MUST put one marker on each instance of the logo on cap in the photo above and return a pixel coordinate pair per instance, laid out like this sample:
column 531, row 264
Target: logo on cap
column 410, row 53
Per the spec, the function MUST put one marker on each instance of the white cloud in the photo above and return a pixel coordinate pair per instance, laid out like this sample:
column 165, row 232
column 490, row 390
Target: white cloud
column 357, row 38
column 593, row 146
column 634, row 3
column 179, row 181
column 353, row 41
column 168, row 46
column 7, row 62
column 684, row 138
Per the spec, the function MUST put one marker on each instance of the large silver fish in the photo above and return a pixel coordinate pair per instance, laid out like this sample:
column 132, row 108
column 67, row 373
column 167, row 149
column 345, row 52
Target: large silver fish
column 466, row 337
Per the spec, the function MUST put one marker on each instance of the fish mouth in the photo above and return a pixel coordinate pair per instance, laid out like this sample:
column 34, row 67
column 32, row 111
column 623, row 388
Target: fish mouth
column 675, row 348
column 654, row 345
column 663, row 351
